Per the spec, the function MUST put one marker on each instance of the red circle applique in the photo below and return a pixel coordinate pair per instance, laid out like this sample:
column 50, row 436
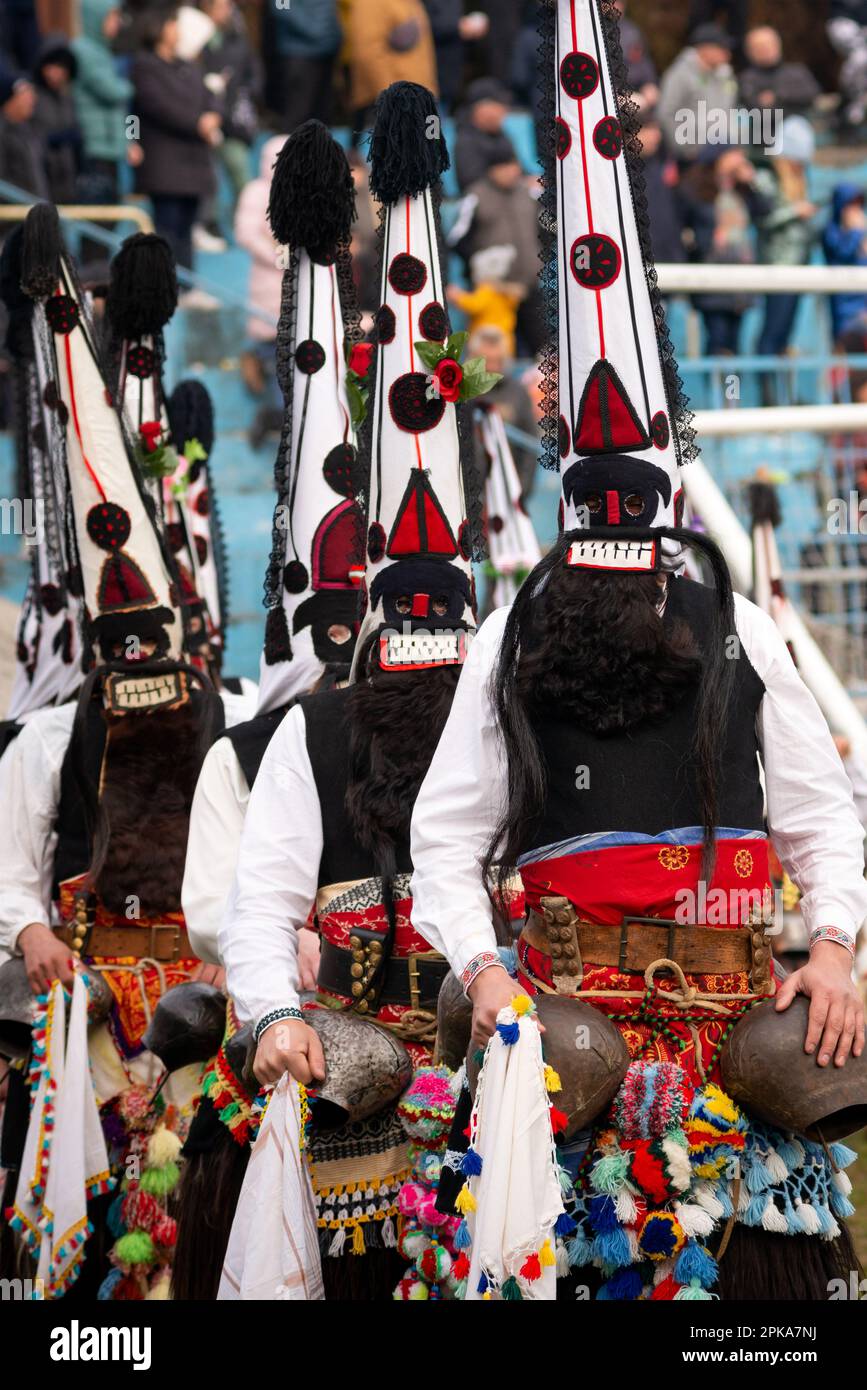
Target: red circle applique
column 433, row 323
column 384, row 325
column 140, row 362
column 62, row 313
column 563, row 137
column 203, row 502
column 659, row 431
column 309, row 356
column 595, row 261
column 407, row 274
column 339, row 469
column 175, row 537
column 108, row 526
column 376, row 540
column 201, row 549
column 579, row 75
column 496, row 524
column 608, row 137
column 564, row 437
column 295, row 577
column 411, row 407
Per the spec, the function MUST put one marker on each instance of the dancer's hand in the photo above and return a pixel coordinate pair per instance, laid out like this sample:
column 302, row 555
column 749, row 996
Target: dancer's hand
column 46, row 958
column 207, row 974
column 289, row 1046
column 836, row 1011
column 492, row 990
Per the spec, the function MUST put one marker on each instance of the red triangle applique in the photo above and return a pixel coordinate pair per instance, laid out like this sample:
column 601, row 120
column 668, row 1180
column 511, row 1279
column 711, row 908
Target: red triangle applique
column 421, row 526
column 607, row 421
column 123, row 585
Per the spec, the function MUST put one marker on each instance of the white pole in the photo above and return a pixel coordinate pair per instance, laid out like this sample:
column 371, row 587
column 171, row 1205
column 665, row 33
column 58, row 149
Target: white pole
column 690, row 278
column 782, row 419
column 722, row 524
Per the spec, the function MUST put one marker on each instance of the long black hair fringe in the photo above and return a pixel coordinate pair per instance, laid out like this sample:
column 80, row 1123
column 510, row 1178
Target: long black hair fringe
column 526, row 784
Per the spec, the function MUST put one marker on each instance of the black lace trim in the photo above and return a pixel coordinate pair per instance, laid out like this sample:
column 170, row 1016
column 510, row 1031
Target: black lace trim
column 549, row 455
column 680, row 414
column 219, row 553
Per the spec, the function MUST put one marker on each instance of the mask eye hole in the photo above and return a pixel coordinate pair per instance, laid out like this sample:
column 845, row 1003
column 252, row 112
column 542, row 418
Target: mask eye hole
column 403, row 604
column 440, row 605
column 634, row 504
column 593, row 502
column 339, row 633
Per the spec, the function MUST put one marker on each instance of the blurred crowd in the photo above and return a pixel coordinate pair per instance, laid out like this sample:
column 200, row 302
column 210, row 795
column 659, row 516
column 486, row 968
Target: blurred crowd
column 185, row 106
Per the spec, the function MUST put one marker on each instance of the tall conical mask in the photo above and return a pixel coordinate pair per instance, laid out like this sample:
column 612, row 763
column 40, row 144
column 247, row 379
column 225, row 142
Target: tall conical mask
column 124, row 570
column 312, row 584
column 623, row 427
column 424, row 515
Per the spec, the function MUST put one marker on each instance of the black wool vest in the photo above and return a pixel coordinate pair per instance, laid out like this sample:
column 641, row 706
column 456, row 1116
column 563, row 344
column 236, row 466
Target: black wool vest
column 251, row 739
column 343, row 860
column 645, row 779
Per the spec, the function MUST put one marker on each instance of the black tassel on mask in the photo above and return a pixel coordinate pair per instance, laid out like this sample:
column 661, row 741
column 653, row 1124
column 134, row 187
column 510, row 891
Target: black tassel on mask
column 143, row 289
column 407, row 151
column 312, row 202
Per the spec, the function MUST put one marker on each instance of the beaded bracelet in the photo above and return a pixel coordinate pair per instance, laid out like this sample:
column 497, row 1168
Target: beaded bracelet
column 275, row 1016
column 835, row 934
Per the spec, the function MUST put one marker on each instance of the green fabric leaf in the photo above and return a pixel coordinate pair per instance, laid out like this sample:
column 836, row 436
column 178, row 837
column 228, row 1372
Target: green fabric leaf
column 430, row 354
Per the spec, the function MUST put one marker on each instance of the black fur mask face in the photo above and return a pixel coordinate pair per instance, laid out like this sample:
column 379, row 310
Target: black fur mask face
column 422, row 594
column 326, row 613
column 615, row 490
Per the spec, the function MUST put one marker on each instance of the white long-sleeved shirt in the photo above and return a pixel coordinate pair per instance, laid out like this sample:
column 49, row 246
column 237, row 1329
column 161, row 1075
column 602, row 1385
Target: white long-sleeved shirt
column 276, row 879
column 214, row 838
column 811, row 816
column 29, row 799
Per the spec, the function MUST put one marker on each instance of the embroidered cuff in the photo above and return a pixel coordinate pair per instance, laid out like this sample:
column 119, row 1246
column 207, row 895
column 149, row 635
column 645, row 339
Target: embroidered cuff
column 835, row 934
column 477, row 965
column 275, row 1016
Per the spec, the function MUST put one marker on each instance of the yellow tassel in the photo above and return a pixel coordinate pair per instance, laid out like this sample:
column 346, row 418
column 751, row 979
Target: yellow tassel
column 552, row 1080
column 465, row 1201
column 358, row 1247
column 546, row 1254
column 522, row 1004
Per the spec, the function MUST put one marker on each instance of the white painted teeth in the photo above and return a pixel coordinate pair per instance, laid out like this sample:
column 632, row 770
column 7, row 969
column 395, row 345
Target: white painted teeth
column 625, row 555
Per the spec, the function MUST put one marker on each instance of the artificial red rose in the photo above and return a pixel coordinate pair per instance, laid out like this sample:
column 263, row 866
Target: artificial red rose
column 150, row 431
column 360, row 358
column 449, row 374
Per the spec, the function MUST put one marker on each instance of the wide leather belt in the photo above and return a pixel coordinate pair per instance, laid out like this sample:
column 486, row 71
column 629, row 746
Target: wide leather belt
column 558, row 932
column 165, row 943
column 413, row 980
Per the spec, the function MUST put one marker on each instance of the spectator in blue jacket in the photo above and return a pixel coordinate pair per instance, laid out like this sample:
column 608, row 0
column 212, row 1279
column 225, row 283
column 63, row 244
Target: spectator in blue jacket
column 103, row 99
column 844, row 242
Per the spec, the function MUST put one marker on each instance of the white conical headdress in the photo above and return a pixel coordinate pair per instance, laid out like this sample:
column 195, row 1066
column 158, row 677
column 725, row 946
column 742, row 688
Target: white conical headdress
column 316, row 564
column 621, row 429
column 512, row 542
column 125, row 575
column 423, row 527
column 48, row 640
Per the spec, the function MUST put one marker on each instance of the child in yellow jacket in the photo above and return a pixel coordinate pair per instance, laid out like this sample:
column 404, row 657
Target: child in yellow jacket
column 494, row 299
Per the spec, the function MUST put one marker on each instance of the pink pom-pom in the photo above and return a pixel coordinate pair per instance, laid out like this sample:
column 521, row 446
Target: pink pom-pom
column 427, row 1213
column 409, row 1197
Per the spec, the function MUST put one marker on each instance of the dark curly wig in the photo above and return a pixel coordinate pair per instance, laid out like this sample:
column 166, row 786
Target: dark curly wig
column 396, row 718
column 593, row 645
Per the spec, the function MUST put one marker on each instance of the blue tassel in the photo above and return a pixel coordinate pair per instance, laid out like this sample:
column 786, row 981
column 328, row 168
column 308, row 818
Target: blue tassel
column 842, row 1154
column 105, row 1293
column 509, row 957
column 826, row 1220
column 840, row 1205
column 789, row 1153
column 695, row 1262
column 483, row 1284
column 755, row 1211
column 758, row 1177
column 612, row 1247
column 564, row 1225
column 463, row 1239
column 509, row 1032
column 721, row 1192
column 579, row 1250
column 471, row 1163
column 602, row 1214
column 625, row 1286
column 114, row 1217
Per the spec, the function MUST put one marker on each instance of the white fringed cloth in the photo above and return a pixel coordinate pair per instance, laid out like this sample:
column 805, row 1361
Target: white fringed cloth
column 518, row 1196
column 273, row 1250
